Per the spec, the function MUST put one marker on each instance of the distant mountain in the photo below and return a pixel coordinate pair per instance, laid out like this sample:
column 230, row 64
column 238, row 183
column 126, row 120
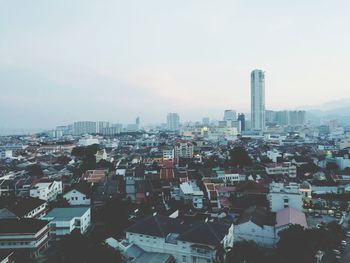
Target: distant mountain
column 339, row 110
column 336, row 105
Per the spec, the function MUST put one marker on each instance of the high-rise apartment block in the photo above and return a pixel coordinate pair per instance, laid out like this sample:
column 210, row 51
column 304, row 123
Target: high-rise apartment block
column 173, row 121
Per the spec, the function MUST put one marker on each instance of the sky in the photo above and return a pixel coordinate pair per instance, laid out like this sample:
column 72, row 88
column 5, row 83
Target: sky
column 68, row 60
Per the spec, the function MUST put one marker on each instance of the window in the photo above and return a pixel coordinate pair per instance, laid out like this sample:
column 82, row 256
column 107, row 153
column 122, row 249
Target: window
column 184, row 259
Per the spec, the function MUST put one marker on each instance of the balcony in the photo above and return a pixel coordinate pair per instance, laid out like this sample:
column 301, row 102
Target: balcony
column 202, row 253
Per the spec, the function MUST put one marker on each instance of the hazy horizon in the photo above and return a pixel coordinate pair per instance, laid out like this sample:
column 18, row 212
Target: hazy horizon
column 71, row 60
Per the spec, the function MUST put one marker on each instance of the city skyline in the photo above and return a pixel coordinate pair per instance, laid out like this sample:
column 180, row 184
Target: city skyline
column 116, row 60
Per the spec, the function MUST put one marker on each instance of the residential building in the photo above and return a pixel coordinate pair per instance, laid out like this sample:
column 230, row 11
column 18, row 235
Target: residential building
column 25, row 207
column 79, row 195
column 257, row 100
column 27, row 235
column 289, row 216
column 46, row 191
column 84, row 127
column 190, row 192
column 192, row 243
column 101, row 125
column 64, row 220
column 173, row 121
column 230, row 177
column 230, row 115
column 262, row 226
column 285, row 168
column 168, row 153
column 282, row 196
column 258, row 225
column 183, row 149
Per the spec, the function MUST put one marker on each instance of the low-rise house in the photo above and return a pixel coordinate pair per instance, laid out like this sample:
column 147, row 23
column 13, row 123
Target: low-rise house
column 27, row 235
column 26, row 207
column 285, row 168
column 79, row 194
column 289, row 216
column 262, row 226
column 230, row 177
column 46, row 191
column 258, row 225
column 64, row 220
column 193, row 243
column 190, row 192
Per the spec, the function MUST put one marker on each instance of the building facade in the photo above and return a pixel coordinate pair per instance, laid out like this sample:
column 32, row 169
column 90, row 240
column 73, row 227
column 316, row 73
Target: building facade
column 257, row 83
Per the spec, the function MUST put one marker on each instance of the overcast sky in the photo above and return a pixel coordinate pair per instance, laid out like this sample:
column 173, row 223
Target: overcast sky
column 67, row 60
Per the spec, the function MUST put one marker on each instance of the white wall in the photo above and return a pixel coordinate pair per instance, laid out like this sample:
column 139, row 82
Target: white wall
column 263, row 236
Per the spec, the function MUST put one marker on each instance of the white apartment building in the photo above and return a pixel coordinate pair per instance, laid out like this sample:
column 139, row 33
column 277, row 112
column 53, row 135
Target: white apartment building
column 187, row 243
column 168, row 153
column 190, row 192
column 173, row 122
column 184, row 149
column 230, row 177
column 282, row 196
column 64, row 220
column 46, row 191
column 285, row 168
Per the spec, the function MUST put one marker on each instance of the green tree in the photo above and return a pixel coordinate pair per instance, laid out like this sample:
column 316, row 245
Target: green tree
column 80, row 249
column 239, row 157
column 245, row 251
column 35, row 170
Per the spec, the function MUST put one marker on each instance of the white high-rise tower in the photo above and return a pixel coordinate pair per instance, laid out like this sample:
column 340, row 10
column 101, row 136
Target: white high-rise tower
column 257, row 83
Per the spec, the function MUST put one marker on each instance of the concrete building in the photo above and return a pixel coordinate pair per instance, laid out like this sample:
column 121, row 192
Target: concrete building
column 230, row 115
column 258, row 225
column 84, row 127
column 282, row 196
column 241, row 119
column 183, row 149
column 190, row 192
column 173, row 122
column 285, row 168
column 26, row 235
column 257, row 100
column 191, row 243
column 168, row 153
column 24, row 207
column 79, row 195
column 46, row 191
column 64, row 220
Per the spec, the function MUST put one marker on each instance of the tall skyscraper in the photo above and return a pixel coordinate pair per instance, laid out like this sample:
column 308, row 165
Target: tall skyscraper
column 257, row 83
column 173, row 121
